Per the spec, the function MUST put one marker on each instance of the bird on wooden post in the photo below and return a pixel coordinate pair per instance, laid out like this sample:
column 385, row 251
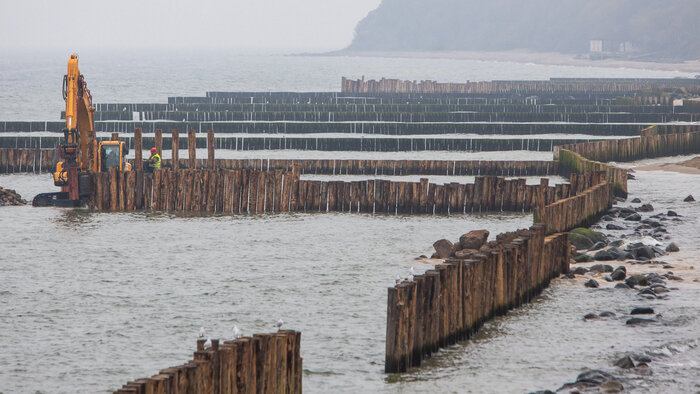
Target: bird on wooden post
column 207, row 344
column 278, row 324
column 202, row 332
column 237, row 333
column 398, row 279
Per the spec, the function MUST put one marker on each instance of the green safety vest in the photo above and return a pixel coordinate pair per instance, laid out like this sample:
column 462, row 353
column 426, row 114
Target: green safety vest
column 154, row 161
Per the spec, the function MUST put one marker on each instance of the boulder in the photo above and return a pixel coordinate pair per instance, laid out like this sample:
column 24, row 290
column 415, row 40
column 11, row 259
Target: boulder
column 590, row 316
column 591, row 283
column 580, row 270
column 624, row 212
column 671, row 213
column 672, row 247
column 646, row 208
column 583, row 258
column 474, row 239
column 607, row 218
column 618, row 275
column 621, row 286
column 689, row 198
column 612, row 226
column 581, row 242
column 606, row 314
column 616, row 243
column 639, row 251
column 594, row 236
column 611, row 387
column 603, row 255
column 636, row 200
column 444, row 248
column 625, row 362
column 635, row 217
column 618, row 254
column 597, row 246
column 587, row 380
column 10, row 197
column 642, row 310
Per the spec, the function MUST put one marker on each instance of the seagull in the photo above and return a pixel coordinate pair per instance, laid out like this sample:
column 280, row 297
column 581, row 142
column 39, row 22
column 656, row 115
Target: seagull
column 410, row 277
column 207, row 344
column 278, row 324
column 398, row 279
column 412, row 272
column 237, row 333
column 202, row 332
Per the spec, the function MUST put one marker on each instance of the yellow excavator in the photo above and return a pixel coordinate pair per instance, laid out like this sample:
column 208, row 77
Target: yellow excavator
column 80, row 152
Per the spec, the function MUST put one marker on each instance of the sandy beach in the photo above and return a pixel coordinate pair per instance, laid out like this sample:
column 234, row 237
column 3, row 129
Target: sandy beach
column 691, row 166
column 545, row 58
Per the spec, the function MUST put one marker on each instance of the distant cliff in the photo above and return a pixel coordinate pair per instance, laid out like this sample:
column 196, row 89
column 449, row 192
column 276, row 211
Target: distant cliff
column 643, row 29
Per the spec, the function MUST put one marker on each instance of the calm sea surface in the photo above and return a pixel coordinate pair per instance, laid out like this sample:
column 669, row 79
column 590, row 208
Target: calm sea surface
column 91, row 300
column 31, row 81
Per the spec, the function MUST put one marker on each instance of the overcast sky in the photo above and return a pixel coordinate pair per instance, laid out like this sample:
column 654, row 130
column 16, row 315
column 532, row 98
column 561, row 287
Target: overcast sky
column 250, row 25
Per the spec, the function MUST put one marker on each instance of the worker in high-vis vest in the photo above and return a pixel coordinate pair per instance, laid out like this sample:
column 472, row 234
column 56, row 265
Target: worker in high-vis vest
column 154, row 161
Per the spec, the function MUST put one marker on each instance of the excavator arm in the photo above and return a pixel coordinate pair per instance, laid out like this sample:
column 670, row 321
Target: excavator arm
column 79, row 129
column 77, row 149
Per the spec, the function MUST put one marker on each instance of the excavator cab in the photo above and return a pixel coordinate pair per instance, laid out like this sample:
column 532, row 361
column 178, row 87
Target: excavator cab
column 113, row 154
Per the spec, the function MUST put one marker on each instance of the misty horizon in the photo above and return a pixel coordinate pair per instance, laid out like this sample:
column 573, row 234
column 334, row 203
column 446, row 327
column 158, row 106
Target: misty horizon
column 267, row 26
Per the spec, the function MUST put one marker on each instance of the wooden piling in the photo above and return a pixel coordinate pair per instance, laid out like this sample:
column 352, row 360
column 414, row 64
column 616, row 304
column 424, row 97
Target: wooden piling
column 175, row 148
column 192, row 148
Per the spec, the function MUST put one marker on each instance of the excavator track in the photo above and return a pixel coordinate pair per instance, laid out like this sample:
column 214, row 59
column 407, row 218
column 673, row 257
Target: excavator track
column 57, row 199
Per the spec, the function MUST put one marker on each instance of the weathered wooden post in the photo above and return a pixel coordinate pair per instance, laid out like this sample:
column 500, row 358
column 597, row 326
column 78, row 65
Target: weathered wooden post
column 138, row 149
column 159, row 142
column 175, row 149
column 210, row 149
column 192, row 148
column 115, row 136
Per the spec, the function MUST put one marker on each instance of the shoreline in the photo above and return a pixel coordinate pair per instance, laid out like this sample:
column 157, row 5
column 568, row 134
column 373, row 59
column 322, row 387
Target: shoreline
column 691, row 167
column 525, row 57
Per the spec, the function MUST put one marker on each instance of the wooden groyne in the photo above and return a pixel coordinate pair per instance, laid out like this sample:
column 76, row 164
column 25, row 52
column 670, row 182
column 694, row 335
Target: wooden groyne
column 357, row 143
column 205, row 190
column 252, row 191
column 580, row 210
column 27, row 160
column 449, row 303
column 263, row 363
column 507, row 168
column 655, row 141
column 583, row 85
column 574, row 163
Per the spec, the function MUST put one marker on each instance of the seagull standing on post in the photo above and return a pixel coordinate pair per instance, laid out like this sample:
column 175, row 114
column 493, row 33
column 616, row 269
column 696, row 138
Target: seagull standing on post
column 237, row 333
column 278, row 324
column 202, row 332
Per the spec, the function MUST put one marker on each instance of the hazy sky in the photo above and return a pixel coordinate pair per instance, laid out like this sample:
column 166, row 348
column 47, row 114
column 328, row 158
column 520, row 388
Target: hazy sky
column 266, row 25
